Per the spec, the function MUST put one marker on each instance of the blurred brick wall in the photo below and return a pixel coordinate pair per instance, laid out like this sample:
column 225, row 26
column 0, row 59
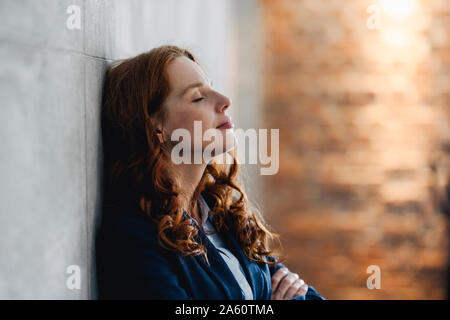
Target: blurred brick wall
column 364, row 128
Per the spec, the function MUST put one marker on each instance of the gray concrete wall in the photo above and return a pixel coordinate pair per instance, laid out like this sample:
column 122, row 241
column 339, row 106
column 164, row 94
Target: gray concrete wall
column 50, row 88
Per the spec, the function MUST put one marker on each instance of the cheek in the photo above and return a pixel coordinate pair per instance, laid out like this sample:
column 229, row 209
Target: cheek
column 186, row 120
column 180, row 120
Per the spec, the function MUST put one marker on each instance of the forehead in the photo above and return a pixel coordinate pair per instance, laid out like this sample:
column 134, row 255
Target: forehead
column 182, row 72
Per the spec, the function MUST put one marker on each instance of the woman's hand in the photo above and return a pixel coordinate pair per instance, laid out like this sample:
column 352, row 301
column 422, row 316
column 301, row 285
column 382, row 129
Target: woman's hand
column 286, row 286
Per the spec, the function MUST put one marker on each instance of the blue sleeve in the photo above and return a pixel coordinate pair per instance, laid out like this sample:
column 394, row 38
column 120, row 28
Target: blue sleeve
column 132, row 265
column 276, row 267
column 311, row 294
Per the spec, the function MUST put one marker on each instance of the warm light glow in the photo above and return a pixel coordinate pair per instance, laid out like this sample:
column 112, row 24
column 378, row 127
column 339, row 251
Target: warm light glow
column 397, row 37
column 398, row 8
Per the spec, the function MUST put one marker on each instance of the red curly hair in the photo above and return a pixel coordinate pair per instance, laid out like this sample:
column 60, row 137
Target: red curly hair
column 137, row 168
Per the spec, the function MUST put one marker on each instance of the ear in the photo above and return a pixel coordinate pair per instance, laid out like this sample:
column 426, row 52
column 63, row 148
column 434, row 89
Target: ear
column 160, row 136
column 158, row 128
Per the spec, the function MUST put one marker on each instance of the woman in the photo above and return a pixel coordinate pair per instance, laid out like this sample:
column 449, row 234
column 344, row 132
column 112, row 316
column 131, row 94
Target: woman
column 174, row 230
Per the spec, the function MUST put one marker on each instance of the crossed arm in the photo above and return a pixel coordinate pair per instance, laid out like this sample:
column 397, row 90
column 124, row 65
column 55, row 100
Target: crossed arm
column 287, row 285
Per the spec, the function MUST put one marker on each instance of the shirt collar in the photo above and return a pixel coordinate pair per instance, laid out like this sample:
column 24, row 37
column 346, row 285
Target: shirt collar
column 204, row 209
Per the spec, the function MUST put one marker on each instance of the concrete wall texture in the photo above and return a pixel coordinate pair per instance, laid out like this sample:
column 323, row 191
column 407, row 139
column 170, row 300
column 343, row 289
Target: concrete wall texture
column 50, row 91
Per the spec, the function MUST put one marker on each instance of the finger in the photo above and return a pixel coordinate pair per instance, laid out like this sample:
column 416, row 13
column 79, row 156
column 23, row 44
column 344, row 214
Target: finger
column 277, row 276
column 285, row 284
column 302, row 290
column 292, row 291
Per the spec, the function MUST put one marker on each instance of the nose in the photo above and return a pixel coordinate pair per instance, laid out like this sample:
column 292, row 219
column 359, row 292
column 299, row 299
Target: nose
column 224, row 103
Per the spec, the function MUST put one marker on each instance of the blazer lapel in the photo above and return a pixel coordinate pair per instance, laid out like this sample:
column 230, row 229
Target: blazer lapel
column 251, row 269
column 218, row 269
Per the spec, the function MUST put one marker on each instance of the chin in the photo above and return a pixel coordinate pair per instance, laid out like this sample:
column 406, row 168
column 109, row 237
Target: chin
column 230, row 140
column 228, row 143
column 230, row 146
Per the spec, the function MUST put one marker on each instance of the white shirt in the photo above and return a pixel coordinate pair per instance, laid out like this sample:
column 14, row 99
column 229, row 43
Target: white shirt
column 230, row 259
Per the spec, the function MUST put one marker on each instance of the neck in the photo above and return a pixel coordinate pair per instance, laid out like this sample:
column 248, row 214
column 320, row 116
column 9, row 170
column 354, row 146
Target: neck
column 190, row 176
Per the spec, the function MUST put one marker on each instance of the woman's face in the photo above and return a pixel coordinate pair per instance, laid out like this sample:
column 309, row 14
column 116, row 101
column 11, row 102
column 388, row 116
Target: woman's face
column 193, row 99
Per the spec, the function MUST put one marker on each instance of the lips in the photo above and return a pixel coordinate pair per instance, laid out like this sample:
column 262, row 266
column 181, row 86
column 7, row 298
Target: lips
column 225, row 125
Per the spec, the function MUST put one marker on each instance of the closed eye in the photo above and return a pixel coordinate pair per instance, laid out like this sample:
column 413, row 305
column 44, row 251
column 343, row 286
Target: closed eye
column 198, row 100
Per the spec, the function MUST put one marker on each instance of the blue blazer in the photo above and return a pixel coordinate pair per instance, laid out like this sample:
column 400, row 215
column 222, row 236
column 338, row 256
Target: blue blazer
column 131, row 264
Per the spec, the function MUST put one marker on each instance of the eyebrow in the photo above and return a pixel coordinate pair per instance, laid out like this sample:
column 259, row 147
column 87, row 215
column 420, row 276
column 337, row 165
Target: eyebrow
column 194, row 85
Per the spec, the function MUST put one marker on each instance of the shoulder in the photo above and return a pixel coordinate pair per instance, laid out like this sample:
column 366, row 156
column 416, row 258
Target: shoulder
column 130, row 262
column 125, row 226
